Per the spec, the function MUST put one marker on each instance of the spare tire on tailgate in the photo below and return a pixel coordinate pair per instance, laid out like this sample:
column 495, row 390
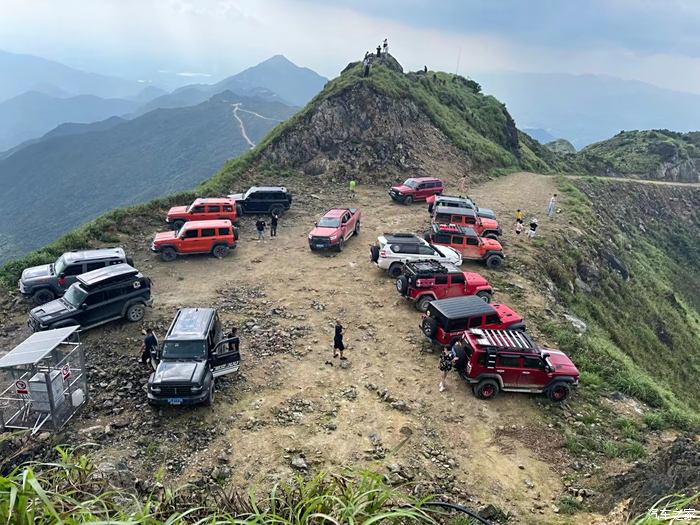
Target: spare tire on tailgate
column 429, row 327
column 374, row 253
column 402, row 284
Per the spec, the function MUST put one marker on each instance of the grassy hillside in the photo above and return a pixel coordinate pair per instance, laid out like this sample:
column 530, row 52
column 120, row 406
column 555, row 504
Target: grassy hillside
column 561, row 146
column 653, row 154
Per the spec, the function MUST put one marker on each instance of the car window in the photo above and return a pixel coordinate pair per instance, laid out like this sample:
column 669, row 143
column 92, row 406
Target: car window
column 470, row 220
column 458, row 279
column 472, row 241
column 224, row 231
column 421, row 186
column 509, row 361
column 492, row 319
column 213, row 209
column 190, row 234
column 425, row 250
column 441, row 279
column 73, row 269
column 475, row 322
column 197, row 209
column 442, row 237
column 95, row 266
column 457, row 239
column 404, row 248
column 228, row 208
column 208, row 232
column 94, row 298
column 115, row 293
column 454, row 325
column 533, row 362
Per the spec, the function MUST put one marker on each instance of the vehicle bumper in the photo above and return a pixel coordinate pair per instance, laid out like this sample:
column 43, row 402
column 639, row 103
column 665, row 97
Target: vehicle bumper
column 35, row 326
column 25, row 292
column 323, row 245
column 155, row 249
column 177, row 401
column 396, row 196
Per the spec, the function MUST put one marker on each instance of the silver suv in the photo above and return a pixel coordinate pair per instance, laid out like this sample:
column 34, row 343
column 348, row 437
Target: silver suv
column 46, row 282
column 393, row 250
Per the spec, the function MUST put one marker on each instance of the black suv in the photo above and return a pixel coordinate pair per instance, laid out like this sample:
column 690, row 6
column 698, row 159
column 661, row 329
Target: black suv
column 193, row 353
column 264, row 199
column 97, row 297
column 46, row 282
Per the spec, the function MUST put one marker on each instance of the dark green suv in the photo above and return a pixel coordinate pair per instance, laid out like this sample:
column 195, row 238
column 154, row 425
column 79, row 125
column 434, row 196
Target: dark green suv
column 97, row 297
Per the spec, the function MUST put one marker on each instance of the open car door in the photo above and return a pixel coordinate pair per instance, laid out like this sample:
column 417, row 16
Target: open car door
column 225, row 361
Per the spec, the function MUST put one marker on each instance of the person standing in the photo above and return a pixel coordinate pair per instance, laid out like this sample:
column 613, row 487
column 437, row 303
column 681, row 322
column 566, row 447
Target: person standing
column 533, row 230
column 447, row 360
column 273, row 224
column 234, row 341
column 518, row 228
column 338, row 345
column 260, row 227
column 149, row 348
column 519, row 216
column 365, row 63
column 379, row 51
column 385, row 46
column 552, row 206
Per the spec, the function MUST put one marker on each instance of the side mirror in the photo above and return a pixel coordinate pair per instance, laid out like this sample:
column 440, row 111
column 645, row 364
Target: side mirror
column 545, row 356
column 316, row 224
column 83, row 306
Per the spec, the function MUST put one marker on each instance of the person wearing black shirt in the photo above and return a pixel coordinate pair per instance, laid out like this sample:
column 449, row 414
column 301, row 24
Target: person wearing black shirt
column 260, row 227
column 533, row 229
column 273, row 225
column 234, row 342
column 149, row 348
column 338, row 346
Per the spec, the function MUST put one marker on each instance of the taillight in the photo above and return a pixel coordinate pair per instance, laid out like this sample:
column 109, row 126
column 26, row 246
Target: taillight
column 423, row 282
column 382, row 253
column 61, row 281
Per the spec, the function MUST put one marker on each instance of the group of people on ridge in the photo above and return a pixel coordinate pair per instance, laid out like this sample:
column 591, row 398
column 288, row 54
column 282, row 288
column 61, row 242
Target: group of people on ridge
column 382, row 50
column 519, row 220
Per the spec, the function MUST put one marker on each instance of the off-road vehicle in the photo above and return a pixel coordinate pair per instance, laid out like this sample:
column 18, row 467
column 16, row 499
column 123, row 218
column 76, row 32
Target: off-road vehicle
column 97, row 297
column 334, row 228
column 204, row 210
column 48, row 281
column 466, row 217
column 511, row 361
column 416, row 189
column 194, row 352
column 447, row 319
column 426, row 281
column 214, row 237
column 393, row 250
column 451, row 201
column 271, row 200
column 468, row 243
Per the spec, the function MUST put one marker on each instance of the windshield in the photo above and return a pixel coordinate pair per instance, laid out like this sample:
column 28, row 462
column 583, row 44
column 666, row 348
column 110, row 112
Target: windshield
column 183, row 350
column 75, row 295
column 247, row 193
column 410, row 183
column 444, row 254
column 329, row 222
column 60, row 266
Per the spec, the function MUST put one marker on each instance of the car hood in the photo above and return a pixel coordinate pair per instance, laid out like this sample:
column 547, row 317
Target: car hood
column 37, row 273
column 164, row 236
column 507, row 315
column 561, row 362
column 489, row 224
column 323, row 232
column 236, row 196
column 450, row 253
column 52, row 310
column 179, row 372
column 492, row 245
column 177, row 210
column 476, row 279
column 402, row 189
column 486, row 213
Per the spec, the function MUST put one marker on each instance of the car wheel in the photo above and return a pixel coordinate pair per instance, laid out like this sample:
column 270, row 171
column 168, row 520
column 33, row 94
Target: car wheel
column 395, row 270
column 168, row 254
column 485, row 296
column 429, row 327
column 178, row 224
column 43, row 296
column 558, row 392
column 486, row 389
column 423, row 303
column 374, row 253
column 135, row 312
column 402, row 284
column 236, row 233
column 491, row 236
column 220, row 251
column 357, row 228
column 209, row 401
column 408, row 200
column 494, row 261
column 341, row 244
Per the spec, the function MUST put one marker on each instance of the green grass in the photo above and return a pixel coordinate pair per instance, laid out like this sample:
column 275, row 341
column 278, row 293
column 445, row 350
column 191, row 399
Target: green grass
column 668, row 508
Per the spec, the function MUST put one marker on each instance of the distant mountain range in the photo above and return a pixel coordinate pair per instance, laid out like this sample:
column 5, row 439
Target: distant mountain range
column 77, row 172
column 589, row 108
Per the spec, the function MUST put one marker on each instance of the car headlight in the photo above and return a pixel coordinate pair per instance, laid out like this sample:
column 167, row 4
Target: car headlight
column 155, row 389
column 333, row 237
column 310, row 236
column 196, row 388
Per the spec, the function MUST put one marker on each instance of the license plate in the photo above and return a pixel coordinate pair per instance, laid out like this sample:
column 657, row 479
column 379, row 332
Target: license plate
column 175, row 400
column 319, row 246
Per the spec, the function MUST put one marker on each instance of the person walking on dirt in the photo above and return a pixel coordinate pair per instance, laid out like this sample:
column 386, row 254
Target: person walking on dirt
column 149, row 348
column 533, row 230
column 519, row 216
column 338, row 345
column 518, row 228
column 352, row 186
column 273, row 224
column 260, row 227
column 447, row 360
column 552, row 206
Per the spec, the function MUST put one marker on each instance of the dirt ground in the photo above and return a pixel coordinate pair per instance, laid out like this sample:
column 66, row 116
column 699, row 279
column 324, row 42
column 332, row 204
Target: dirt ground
column 293, row 407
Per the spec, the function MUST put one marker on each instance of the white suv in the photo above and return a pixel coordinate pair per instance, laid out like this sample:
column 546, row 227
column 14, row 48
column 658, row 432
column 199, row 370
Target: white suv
column 393, row 250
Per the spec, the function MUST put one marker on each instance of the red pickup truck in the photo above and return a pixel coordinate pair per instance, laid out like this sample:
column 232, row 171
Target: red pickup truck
column 204, row 210
column 334, row 228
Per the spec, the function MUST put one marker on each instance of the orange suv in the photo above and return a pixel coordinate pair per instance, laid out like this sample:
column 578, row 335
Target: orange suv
column 215, row 237
column 204, row 210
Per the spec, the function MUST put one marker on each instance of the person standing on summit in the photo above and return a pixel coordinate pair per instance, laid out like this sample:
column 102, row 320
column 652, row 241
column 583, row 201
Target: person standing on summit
column 379, row 51
column 365, row 63
column 385, row 47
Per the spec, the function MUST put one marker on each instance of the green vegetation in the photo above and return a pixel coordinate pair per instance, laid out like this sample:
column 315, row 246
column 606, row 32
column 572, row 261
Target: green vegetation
column 561, row 146
column 671, row 509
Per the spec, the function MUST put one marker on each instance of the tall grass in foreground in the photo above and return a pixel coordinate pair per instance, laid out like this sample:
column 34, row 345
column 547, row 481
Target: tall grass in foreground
column 672, row 509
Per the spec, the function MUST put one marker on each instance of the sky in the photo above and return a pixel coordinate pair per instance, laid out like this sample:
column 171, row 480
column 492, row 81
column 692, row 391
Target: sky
column 655, row 41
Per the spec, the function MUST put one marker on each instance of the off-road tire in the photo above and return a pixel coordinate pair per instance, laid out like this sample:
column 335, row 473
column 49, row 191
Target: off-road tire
column 423, row 303
column 220, row 251
column 276, row 210
column 168, row 254
column 341, row 244
column 430, row 208
column 395, row 270
column 429, row 327
column 491, row 236
column 209, row 400
column 558, row 392
column 236, row 233
column 135, row 312
column 494, row 261
column 408, row 200
column 357, row 228
column 374, row 253
column 486, row 389
column 43, row 296
column 485, row 296
column 402, row 284
column 178, row 224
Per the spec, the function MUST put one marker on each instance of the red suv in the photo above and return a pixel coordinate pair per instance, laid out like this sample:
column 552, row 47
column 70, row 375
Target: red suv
column 204, row 210
column 468, row 243
column 426, row 281
column 467, row 217
column 447, row 319
column 215, row 237
column 416, row 189
column 508, row 360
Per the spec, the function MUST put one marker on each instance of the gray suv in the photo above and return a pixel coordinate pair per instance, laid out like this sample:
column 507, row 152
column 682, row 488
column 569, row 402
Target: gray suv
column 194, row 353
column 97, row 297
column 46, row 282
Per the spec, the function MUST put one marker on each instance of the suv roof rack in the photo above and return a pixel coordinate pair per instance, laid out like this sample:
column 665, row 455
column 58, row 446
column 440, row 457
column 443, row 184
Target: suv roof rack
column 455, row 211
column 504, row 340
column 422, row 267
column 401, row 238
column 107, row 275
column 110, row 252
column 190, row 323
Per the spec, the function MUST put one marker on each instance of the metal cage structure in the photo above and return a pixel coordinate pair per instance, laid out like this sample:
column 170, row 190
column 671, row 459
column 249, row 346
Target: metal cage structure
column 43, row 381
